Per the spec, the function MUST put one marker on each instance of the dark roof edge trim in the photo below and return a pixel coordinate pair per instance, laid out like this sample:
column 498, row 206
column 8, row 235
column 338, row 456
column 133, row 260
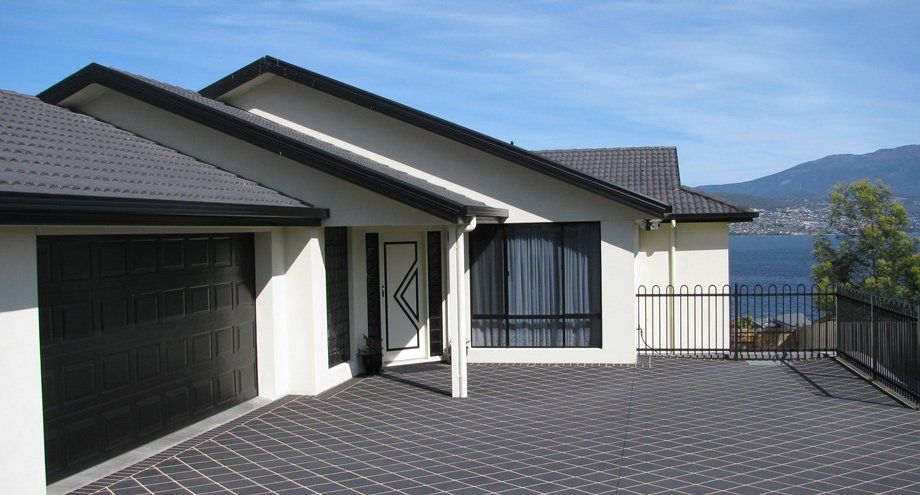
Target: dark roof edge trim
column 739, row 216
column 436, row 125
column 256, row 135
column 61, row 209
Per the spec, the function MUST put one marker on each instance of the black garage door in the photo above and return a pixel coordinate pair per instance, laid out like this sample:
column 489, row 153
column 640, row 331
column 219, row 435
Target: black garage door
column 140, row 335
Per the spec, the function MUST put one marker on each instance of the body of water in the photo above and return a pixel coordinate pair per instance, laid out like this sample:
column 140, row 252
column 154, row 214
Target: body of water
column 770, row 259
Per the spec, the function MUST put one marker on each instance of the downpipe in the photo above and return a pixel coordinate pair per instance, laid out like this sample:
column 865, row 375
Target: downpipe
column 672, row 269
column 463, row 310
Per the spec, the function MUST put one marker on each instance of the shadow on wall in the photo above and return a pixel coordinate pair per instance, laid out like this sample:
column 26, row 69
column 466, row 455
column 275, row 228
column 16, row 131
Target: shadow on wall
column 18, row 270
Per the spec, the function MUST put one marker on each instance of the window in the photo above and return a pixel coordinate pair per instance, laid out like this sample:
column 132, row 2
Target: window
column 536, row 285
column 338, row 328
column 435, row 295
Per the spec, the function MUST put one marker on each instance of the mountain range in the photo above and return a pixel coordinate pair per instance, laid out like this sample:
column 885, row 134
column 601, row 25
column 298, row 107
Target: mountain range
column 795, row 201
column 897, row 167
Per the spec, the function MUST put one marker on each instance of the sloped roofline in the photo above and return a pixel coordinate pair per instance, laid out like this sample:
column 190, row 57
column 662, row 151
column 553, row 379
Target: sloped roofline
column 435, row 125
column 267, row 139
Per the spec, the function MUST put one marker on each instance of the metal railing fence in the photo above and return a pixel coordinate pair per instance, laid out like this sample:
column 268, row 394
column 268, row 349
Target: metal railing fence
column 783, row 322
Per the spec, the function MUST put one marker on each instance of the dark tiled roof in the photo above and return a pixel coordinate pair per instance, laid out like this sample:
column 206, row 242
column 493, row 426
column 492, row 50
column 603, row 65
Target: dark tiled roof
column 46, row 149
column 649, row 170
column 353, row 158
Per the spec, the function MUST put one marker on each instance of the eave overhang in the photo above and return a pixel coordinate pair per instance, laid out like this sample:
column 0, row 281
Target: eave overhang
column 60, row 209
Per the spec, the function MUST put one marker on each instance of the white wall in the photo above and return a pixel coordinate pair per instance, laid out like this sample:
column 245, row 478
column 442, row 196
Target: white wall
column 700, row 265
column 22, row 457
column 291, row 313
column 701, row 255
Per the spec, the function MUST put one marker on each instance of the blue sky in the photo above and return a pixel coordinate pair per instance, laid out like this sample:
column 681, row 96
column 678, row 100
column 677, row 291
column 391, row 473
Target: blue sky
column 742, row 89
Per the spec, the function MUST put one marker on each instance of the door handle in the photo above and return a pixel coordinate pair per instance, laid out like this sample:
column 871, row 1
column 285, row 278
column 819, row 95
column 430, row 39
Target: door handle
column 383, row 291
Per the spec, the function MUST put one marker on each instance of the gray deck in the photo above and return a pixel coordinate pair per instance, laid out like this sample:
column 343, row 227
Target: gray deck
column 681, row 426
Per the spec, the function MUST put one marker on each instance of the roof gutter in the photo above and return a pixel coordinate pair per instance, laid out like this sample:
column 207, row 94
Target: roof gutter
column 60, row 209
column 735, row 216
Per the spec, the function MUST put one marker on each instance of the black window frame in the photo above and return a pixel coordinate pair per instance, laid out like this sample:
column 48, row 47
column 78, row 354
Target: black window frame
column 507, row 317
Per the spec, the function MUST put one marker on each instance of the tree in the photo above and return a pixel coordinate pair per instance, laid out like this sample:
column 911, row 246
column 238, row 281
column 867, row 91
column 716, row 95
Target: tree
column 872, row 250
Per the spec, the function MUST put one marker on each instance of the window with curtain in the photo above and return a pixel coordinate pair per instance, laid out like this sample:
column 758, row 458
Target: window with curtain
column 536, row 285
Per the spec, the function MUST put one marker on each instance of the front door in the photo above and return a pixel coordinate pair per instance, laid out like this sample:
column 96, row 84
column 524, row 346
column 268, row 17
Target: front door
column 405, row 336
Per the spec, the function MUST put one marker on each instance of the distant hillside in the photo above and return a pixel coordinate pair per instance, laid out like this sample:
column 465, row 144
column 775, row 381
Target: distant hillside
column 898, row 167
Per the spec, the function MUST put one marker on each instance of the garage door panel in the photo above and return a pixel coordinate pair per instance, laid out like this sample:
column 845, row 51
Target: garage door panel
column 156, row 332
column 113, row 313
column 116, row 370
column 148, row 361
column 117, row 427
column 113, row 260
column 177, row 404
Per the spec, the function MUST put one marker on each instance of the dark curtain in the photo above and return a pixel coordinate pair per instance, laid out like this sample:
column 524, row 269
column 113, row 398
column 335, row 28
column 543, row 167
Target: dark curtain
column 487, row 291
column 534, row 282
column 582, row 287
column 549, row 274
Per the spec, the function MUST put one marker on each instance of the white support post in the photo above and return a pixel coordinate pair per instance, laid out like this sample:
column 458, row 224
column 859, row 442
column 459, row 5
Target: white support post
column 463, row 329
column 453, row 310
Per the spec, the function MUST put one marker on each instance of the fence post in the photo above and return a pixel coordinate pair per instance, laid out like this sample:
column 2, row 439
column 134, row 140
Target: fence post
column 873, row 333
column 733, row 321
column 827, row 344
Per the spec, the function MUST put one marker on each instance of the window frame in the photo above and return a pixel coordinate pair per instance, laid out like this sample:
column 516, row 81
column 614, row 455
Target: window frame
column 507, row 317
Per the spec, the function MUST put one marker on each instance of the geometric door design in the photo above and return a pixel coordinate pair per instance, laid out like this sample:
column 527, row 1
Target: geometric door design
column 403, row 296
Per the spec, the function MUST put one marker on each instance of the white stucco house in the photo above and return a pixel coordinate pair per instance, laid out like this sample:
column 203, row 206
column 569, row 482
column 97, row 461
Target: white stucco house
column 166, row 254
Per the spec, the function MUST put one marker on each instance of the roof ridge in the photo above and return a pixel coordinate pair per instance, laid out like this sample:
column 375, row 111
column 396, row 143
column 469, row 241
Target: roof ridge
column 15, row 93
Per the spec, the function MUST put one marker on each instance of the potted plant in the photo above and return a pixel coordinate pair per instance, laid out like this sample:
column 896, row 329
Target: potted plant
column 371, row 355
column 445, row 354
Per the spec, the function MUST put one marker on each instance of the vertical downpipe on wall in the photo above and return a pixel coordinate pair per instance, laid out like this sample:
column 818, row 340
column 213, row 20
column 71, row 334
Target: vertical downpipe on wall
column 672, row 268
column 464, row 329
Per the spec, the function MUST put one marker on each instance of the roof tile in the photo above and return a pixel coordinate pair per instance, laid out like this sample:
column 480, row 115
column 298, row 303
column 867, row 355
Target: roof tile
column 651, row 170
column 48, row 149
